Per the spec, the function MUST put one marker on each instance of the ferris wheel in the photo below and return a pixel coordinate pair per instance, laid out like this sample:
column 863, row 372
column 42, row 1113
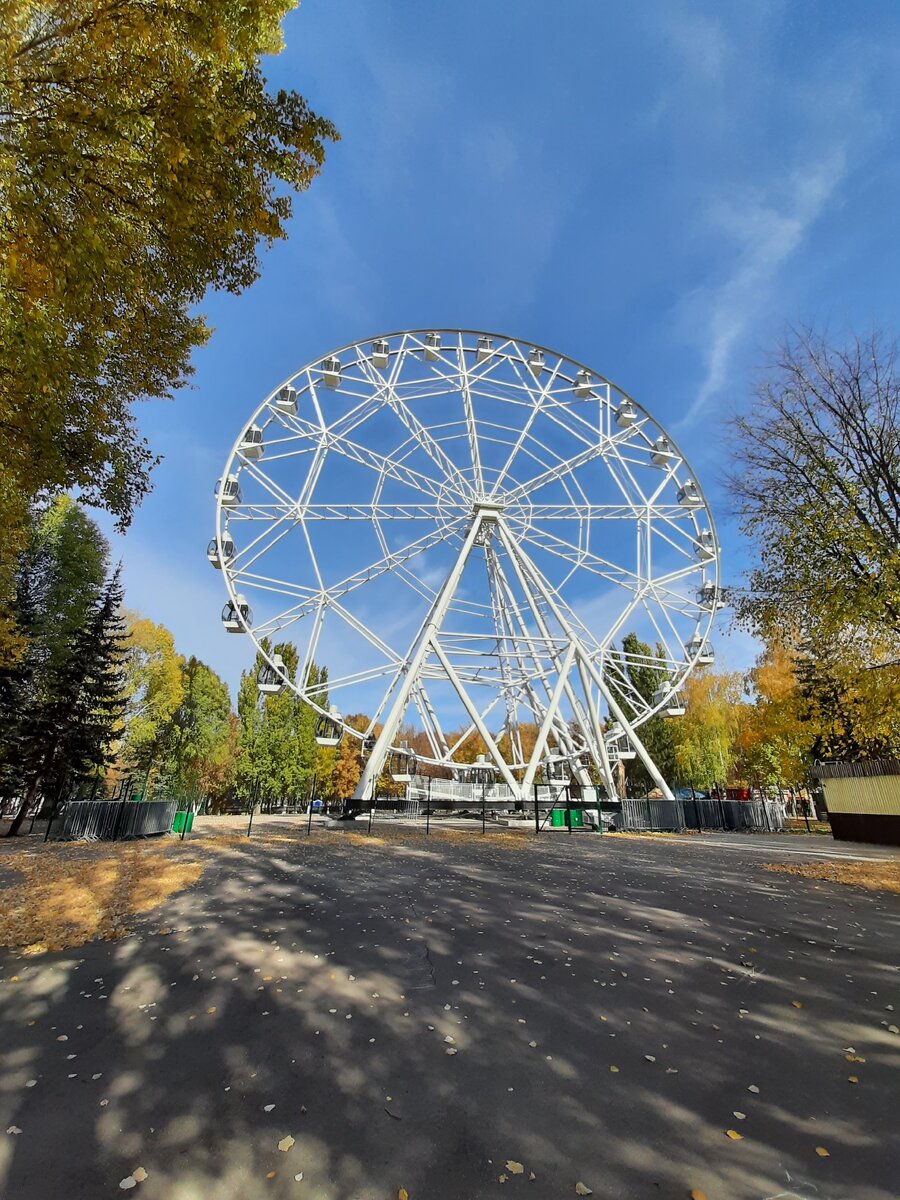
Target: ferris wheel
column 464, row 527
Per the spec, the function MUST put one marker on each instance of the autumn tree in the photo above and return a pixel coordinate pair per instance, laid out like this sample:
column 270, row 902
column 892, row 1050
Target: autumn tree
column 704, row 739
column 154, row 689
column 817, row 485
column 142, row 162
column 201, row 738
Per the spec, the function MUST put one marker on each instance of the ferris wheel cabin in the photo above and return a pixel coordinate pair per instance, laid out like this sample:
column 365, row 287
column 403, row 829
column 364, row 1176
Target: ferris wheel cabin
column 251, row 444
column 689, row 496
column 583, row 383
column 402, row 764
column 662, row 453
column 212, row 552
column 331, row 371
column 286, row 400
column 700, row 649
column 381, row 352
column 272, row 678
column 484, row 349
column 229, row 491
column 432, row 346
column 705, row 545
column 236, row 615
column 329, row 728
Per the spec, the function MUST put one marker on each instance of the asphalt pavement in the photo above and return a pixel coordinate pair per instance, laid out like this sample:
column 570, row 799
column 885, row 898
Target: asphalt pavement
column 328, row 1021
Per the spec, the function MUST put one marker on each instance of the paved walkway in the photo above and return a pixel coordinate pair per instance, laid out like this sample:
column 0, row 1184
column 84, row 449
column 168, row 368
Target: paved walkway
column 428, row 1016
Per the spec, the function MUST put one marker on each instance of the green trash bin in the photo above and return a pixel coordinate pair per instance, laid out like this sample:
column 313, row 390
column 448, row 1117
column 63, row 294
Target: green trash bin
column 558, row 817
column 178, row 823
column 576, row 818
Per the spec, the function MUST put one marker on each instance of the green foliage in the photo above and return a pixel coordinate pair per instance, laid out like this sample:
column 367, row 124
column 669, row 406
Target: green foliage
column 278, row 756
column 201, row 733
column 65, row 730
column 59, row 582
column 704, row 739
column 154, row 689
column 142, row 161
column 641, row 670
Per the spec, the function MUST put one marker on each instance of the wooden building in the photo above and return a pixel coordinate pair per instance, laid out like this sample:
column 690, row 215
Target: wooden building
column 863, row 799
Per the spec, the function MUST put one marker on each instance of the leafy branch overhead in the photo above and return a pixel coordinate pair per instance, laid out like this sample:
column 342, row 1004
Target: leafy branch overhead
column 142, row 161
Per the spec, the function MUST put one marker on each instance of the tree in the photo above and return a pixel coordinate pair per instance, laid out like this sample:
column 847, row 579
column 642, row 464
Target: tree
column 141, row 163
column 69, row 727
column 703, row 740
column 817, row 484
column 59, row 580
column 643, row 671
column 775, row 735
column 154, row 688
column 201, row 735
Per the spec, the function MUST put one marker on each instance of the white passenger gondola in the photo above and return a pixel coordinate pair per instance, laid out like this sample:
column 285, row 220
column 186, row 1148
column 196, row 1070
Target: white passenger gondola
column 212, row 552
column 271, row 679
column 583, row 383
column 432, row 346
column 331, row 371
column 669, row 698
column 698, row 648
column 705, row 545
column 381, row 352
column 402, row 764
column 251, row 444
column 708, row 596
column 662, row 453
column 286, row 400
column 536, row 362
column 626, row 415
column 484, row 349
column 229, row 491
column 329, row 728
column 688, row 495
column 236, row 615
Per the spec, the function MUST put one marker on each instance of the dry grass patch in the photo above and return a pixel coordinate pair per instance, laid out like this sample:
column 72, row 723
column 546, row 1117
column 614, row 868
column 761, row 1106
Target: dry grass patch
column 70, row 894
column 876, row 876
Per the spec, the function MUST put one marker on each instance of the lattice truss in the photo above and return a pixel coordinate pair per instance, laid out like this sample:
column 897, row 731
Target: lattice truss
column 463, row 526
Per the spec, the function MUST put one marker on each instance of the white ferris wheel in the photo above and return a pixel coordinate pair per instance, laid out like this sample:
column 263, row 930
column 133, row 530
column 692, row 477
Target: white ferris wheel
column 463, row 526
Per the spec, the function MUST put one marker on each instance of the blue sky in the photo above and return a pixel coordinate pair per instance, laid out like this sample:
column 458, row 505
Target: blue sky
column 654, row 190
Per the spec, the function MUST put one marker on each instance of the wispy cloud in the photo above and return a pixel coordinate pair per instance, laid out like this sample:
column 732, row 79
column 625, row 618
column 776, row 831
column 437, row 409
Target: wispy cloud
column 766, row 230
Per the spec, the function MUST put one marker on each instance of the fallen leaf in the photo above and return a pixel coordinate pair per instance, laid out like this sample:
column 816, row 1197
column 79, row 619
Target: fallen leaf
column 650, row 1058
column 582, row 1189
column 514, row 1168
column 501, row 1178
column 298, row 1177
column 140, row 1174
column 614, row 1070
column 285, row 1144
column 128, row 1182
column 14, row 1129
column 531, row 1175
column 211, row 1010
column 451, row 1050
column 797, row 1003
column 822, row 1152
column 403, row 1194
column 696, row 1194
column 754, row 1089
column 268, row 1107
column 740, row 1116
column 734, row 1135
column 853, row 1079
column 271, row 1175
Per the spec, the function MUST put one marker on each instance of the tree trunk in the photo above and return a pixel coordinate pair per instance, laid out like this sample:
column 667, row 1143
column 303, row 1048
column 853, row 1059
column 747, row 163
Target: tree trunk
column 24, row 807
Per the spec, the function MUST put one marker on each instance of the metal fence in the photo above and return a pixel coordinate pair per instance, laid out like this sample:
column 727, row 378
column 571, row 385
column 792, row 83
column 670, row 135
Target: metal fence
column 108, row 820
column 766, row 816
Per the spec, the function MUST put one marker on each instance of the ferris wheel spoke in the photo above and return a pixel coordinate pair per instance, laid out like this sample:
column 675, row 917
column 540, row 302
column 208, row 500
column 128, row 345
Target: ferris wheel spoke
column 427, row 443
column 471, row 430
column 537, row 405
column 384, row 465
column 564, row 467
